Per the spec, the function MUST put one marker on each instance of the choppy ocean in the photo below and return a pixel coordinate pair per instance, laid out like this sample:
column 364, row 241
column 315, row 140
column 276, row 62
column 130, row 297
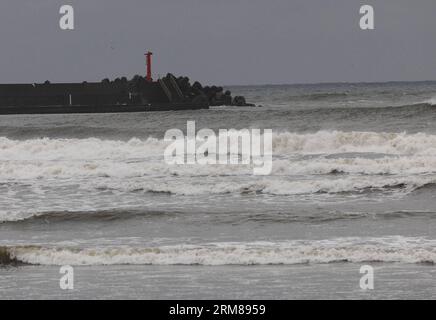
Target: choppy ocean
column 353, row 183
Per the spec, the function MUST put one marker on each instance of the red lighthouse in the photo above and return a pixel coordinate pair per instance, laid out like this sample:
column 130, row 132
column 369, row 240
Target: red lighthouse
column 148, row 55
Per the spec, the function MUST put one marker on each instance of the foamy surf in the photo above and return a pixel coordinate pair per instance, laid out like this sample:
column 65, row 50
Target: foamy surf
column 431, row 101
column 306, row 166
column 283, row 142
column 354, row 250
column 119, row 168
column 314, row 189
column 369, row 153
column 275, row 186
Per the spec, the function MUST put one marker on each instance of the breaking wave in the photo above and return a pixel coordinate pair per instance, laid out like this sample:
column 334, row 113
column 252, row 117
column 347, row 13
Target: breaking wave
column 115, row 215
column 357, row 250
column 351, row 185
column 344, row 164
column 283, row 142
column 431, row 102
column 47, row 149
column 301, row 190
column 305, row 166
column 83, row 216
column 395, row 153
column 364, row 142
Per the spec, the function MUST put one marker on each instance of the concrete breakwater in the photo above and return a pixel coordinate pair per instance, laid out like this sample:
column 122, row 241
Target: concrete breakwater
column 119, row 95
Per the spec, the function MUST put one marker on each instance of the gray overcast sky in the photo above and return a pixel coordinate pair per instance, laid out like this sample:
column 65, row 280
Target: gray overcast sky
column 219, row 41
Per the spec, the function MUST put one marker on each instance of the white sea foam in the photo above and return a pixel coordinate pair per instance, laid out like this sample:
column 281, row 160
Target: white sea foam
column 358, row 250
column 285, row 142
column 363, row 142
column 272, row 185
column 431, row 101
column 67, row 158
column 382, row 166
column 31, row 170
column 334, row 163
column 315, row 189
column 78, row 149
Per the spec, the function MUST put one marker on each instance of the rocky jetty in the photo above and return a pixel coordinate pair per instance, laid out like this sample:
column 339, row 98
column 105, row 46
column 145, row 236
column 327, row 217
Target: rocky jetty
column 214, row 95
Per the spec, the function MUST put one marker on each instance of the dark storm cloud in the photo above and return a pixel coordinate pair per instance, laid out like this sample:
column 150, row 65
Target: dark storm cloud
column 219, row 41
